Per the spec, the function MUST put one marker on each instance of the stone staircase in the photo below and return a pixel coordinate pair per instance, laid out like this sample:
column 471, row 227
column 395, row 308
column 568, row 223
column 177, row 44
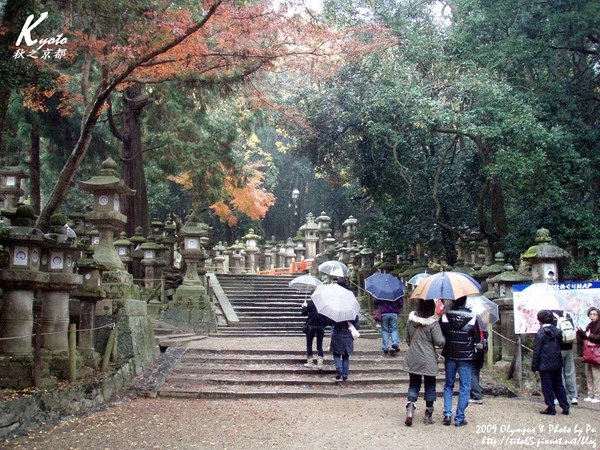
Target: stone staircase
column 266, row 306
column 205, row 373
column 166, row 335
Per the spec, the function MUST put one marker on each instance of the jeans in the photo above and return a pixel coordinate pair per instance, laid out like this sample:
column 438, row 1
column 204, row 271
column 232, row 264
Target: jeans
column 389, row 328
column 568, row 373
column 313, row 332
column 463, row 368
column 476, row 391
column 551, row 386
column 342, row 364
column 414, row 387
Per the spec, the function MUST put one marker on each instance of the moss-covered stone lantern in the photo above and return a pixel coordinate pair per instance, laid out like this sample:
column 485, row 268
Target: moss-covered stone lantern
column 251, row 250
column 170, row 240
column 106, row 216
column 323, row 229
column 219, row 258
column 310, row 236
column 58, row 259
column 152, row 262
column 124, row 246
column 19, row 280
column 547, row 260
column 137, row 254
column 10, row 185
column 349, row 225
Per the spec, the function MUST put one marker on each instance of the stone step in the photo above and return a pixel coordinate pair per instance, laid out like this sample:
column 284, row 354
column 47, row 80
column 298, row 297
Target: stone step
column 340, row 389
column 319, row 379
column 285, row 352
column 244, row 332
column 179, row 340
column 394, row 363
column 272, row 317
column 284, row 369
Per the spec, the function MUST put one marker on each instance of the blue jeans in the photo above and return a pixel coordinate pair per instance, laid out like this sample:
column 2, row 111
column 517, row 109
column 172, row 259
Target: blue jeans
column 389, row 327
column 414, row 387
column 342, row 364
column 464, row 373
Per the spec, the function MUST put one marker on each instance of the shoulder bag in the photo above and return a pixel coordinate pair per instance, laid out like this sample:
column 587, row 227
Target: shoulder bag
column 591, row 353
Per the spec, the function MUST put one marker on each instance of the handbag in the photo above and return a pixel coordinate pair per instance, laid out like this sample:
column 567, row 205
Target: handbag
column 591, row 353
column 377, row 315
column 305, row 328
column 353, row 331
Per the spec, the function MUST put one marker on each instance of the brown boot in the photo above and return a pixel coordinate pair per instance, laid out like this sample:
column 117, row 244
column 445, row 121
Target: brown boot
column 410, row 413
column 428, row 420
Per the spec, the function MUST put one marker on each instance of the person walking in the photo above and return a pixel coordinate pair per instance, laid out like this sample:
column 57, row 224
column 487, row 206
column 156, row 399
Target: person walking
column 461, row 330
column 315, row 328
column 480, row 350
column 342, row 345
column 389, row 325
column 421, row 362
column 592, row 371
column 547, row 359
column 566, row 350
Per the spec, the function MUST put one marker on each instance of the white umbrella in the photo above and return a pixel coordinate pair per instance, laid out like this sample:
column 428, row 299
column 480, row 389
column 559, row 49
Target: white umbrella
column 540, row 296
column 484, row 308
column 415, row 280
column 335, row 302
column 305, row 283
column 334, row 269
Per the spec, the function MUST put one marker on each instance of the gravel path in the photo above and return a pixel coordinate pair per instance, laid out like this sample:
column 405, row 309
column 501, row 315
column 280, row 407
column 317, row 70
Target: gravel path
column 329, row 423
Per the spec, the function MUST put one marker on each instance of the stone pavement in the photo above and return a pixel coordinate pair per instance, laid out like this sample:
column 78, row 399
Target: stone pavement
column 319, row 423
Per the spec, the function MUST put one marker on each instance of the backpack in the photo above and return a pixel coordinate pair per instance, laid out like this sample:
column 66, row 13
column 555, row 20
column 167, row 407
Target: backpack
column 567, row 330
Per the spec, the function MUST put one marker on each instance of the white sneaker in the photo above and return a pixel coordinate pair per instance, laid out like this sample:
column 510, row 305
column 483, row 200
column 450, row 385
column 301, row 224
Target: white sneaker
column 574, row 402
column 596, row 400
column 588, row 399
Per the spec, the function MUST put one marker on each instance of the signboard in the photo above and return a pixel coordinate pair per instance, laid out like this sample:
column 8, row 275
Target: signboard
column 581, row 295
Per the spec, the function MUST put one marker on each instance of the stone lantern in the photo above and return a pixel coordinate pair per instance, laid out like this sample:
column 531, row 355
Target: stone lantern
column 107, row 190
column 192, row 309
column 58, row 260
column 329, row 243
column 251, row 249
column 157, row 229
column 236, row 257
column 219, row 258
column 342, row 253
column 300, row 249
column 350, row 228
column 123, row 246
column 367, row 258
column 11, row 178
column 310, row 236
column 290, row 254
column 169, row 240
column 323, row 229
column 280, row 254
column 152, row 262
column 135, row 337
column 88, row 294
column 274, row 250
column 137, row 254
column 19, row 280
column 547, row 260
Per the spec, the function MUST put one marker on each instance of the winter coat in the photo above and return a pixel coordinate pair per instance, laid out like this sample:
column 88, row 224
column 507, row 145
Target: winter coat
column 594, row 329
column 546, row 350
column 461, row 330
column 422, row 335
column 389, row 307
column 341, row 338
column 314, row 319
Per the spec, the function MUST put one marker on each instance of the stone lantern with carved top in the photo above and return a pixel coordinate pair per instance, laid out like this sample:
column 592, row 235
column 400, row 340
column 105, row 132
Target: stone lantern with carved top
column 251, row 250
column 59, row 254
column 10, row 185
column 20, row 280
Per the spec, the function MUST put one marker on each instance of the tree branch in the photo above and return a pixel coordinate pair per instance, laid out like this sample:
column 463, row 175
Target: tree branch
column 111, row 122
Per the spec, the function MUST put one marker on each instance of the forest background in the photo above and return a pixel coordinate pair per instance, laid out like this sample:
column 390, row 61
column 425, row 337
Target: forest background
column 429, row 121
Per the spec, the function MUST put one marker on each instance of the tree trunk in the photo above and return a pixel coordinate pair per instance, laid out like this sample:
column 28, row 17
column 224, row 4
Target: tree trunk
column 67, row 174
column 136, row 206
column 4, row 97
column 34, row 167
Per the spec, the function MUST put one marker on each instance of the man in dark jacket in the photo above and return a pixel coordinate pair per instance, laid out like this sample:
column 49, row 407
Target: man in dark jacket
column 547, row 359
column 461, row 330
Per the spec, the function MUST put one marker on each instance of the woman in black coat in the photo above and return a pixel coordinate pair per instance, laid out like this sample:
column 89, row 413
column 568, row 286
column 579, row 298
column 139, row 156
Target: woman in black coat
column 342, row 344
column 315, row 328
column 547, row 359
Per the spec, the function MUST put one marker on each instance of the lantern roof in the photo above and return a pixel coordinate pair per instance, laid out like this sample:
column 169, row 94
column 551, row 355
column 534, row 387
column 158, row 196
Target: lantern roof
column 107, row 180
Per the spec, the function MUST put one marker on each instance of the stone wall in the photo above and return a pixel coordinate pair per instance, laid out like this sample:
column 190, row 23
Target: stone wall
column 25, row 413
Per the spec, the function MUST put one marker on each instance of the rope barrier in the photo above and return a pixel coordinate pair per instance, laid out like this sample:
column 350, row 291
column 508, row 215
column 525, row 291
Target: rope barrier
column 510, row 340
column 111, row 325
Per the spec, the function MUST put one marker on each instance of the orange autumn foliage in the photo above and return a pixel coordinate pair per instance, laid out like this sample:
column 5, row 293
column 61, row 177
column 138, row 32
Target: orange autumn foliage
column 242, row 193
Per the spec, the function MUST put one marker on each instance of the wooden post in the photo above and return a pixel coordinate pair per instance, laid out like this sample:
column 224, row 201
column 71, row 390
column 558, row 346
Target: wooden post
column 72, row 352
column 519, row 362
column 490, row 353
column 37, row 354
column 108, row 350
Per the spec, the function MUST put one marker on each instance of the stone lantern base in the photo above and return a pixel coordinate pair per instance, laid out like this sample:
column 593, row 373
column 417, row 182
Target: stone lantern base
column 191, row 310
